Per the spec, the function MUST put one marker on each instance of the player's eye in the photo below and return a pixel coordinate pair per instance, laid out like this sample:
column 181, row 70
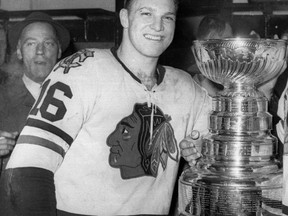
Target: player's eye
column 126, row 134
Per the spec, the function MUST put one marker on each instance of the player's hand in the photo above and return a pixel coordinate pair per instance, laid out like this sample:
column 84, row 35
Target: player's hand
column 191, row 148
column 7, row 142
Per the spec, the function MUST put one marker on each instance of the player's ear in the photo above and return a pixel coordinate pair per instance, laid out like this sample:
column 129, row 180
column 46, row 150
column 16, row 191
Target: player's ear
column 124, row 18
column 59, row 51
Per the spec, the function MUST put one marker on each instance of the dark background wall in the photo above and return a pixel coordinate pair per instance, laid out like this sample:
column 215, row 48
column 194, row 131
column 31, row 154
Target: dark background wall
column 101, row 28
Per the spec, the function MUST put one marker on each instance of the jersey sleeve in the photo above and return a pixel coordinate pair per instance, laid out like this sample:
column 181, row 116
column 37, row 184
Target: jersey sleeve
column 54, row 121
column 27, row 191
column 201, row 110
column 57, row 116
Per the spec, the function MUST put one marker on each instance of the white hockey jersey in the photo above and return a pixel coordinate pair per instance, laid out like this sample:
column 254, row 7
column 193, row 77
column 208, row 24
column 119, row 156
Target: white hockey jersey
column 112, row 145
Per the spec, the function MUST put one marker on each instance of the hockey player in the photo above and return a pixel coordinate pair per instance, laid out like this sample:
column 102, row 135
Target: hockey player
column 103, row 137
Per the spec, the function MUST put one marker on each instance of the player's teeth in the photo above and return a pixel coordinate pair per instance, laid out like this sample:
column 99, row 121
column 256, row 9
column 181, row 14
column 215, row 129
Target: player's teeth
column 153, row 37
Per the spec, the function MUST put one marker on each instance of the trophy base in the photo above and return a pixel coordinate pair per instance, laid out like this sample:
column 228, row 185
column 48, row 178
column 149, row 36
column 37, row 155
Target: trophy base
column 205, row 195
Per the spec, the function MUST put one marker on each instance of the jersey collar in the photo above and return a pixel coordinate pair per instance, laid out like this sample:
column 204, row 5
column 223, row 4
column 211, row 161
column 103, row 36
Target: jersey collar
column 160, row 71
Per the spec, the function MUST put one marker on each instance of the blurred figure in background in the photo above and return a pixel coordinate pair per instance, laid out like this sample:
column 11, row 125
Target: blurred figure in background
column 214, row 27
column 276, row 104
column 211, row 27
column 280, row 103
column 282, row 80
column 36, row 43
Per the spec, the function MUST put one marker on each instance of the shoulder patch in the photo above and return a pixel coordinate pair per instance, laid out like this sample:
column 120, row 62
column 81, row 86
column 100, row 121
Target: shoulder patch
column 74, row 60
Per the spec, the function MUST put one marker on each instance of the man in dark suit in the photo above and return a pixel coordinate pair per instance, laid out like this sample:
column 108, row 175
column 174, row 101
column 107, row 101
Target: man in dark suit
column 36, row 43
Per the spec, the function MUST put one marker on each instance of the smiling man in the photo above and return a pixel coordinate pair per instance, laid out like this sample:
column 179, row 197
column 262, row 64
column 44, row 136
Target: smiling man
column 103, row 137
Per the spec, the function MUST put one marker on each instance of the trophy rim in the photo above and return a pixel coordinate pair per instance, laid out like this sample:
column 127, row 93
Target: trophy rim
column 253, row 42
column 241, row 39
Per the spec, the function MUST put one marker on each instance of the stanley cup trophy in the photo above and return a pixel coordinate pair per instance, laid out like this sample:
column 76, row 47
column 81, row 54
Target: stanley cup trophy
column 237, row 174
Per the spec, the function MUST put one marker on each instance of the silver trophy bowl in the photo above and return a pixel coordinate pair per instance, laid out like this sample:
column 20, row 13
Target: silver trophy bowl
column 238, row 173
column 240, row 61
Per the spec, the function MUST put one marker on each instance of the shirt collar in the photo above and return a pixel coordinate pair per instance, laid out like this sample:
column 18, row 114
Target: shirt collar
column 33, row 87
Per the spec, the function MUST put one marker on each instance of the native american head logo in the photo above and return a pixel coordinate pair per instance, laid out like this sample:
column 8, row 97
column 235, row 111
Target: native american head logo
column 134, row 151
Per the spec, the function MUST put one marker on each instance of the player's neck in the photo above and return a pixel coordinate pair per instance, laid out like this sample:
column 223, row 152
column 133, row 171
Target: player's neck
column 142, row 67
column 148, row 81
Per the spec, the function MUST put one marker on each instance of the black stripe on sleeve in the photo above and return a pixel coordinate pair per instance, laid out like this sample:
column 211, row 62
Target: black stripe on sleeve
column 23, row 139
column 50, row 128
column 285, row 209
column 27, row 191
